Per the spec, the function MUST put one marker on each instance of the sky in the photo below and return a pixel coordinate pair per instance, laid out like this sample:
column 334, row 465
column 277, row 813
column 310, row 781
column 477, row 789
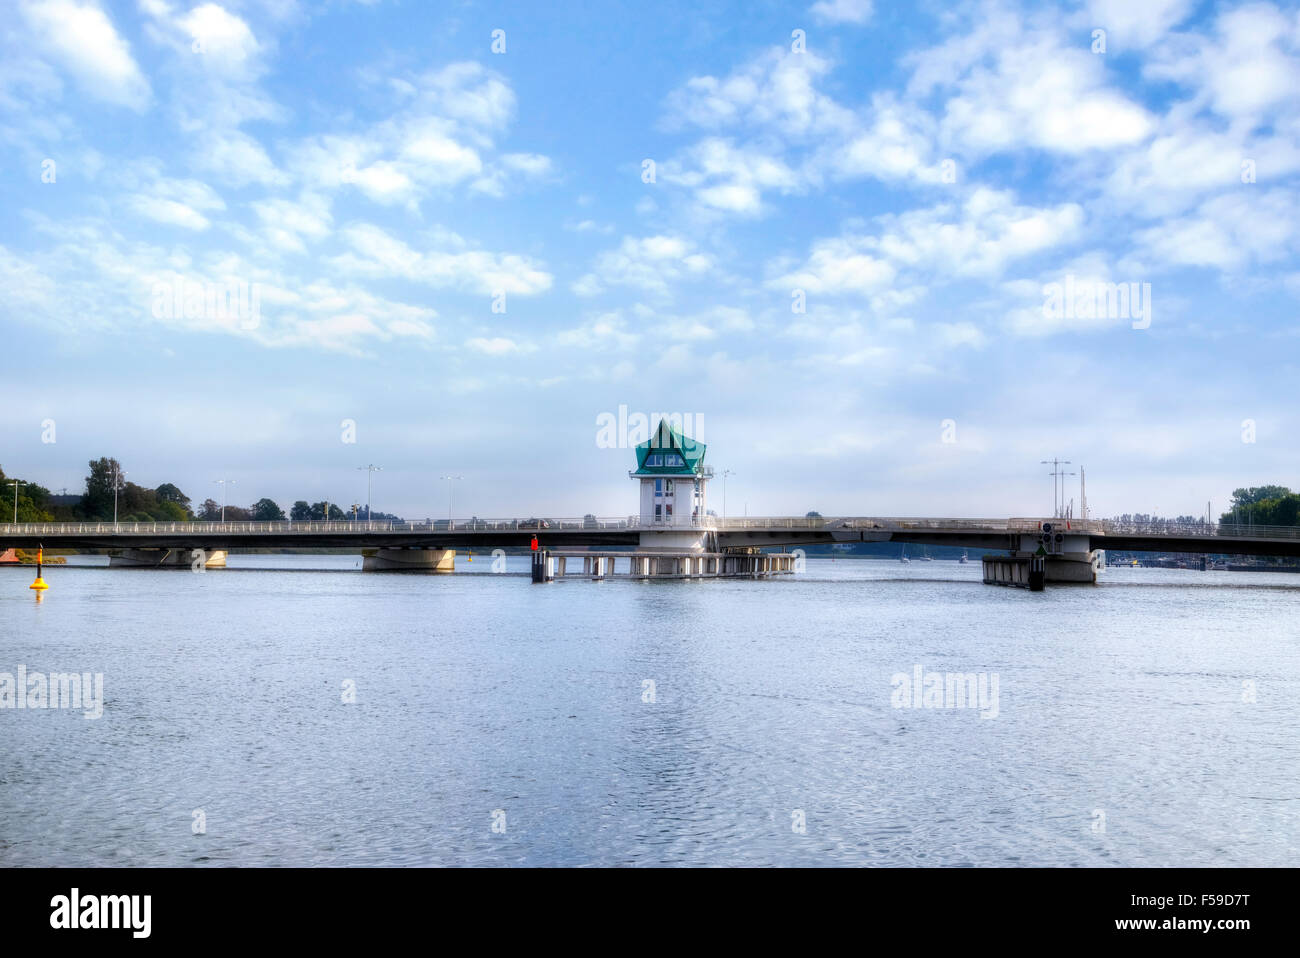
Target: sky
column 854, row 242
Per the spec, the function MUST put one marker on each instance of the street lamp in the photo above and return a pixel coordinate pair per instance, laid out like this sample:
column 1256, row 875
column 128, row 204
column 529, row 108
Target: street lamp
column 725, row 473
column 117, row 481
column 16, row 483
column 1058, row 480
column 222, row 483
column 451, row 494
column 370, row 478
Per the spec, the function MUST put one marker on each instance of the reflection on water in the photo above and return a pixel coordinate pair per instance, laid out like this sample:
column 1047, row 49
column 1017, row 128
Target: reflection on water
column 1125, row 733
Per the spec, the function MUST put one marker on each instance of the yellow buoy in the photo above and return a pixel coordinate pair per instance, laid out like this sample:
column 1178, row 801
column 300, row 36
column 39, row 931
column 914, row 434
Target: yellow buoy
column 40, row 584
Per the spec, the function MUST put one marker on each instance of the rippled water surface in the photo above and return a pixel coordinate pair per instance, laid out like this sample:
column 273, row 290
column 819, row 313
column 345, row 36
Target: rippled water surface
column 1123, row 733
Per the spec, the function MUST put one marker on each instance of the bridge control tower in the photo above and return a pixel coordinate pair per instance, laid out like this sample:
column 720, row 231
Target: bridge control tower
column 673, row 481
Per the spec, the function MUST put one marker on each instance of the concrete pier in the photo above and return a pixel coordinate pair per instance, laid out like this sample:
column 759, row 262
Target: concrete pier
column 167, row 559
column 548, row 566
column 408, row 560
column 1018, row 571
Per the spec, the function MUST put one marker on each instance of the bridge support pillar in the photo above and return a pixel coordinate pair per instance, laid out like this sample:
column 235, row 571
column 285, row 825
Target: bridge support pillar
column 543, row 566
column 408, row 560
column 168, row 559
column 1078, row 567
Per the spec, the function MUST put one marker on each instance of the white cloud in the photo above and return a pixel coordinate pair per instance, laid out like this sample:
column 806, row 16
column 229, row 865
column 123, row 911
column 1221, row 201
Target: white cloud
column 608, row 331
column 840, row 265
column 650, row 263
column 842, row 11
column 895, row 142
column 377, row 253
column 288, row 223
column 1249, row 69
column 496, row 346
column 177, row 202
column 95, row 277
column 84, row 42
column 1227, row 233
column 236, row 158
column 943, row 243
column 1130, row 25
column 729, row 179
column 441, row 136
column 1007, row 85
column 776, row 89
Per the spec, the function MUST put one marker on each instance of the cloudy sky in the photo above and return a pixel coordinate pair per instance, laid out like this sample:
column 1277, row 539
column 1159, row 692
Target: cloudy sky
column 828, row 233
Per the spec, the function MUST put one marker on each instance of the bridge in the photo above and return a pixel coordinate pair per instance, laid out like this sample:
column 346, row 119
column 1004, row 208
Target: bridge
column 1070, row 547
column 674, row 534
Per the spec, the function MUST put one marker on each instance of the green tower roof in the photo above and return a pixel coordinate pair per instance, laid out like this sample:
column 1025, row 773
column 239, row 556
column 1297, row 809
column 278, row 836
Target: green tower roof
column 669, row 453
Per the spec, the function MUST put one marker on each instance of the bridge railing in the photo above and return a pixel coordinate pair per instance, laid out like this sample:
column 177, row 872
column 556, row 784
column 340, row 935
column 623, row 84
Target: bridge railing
column 1170, row 527
column 313, row 526
column 348, row 527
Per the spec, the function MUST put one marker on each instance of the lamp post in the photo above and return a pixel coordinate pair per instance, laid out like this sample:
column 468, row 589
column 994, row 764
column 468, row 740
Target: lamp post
column 725, row 473
column 451, row 494
column 222, row 483
column 1058, row 482
column 117, row 481
column 371, row 469
column 16, row 483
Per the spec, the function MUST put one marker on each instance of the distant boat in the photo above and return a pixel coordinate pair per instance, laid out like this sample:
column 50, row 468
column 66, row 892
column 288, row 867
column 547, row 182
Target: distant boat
column 903, row 557
column 925, row 555
column 964, row 558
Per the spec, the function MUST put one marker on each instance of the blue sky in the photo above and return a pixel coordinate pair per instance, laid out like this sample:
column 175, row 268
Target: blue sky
column 918, row 175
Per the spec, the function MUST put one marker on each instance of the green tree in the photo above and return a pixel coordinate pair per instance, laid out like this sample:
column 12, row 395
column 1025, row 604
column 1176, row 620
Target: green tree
column 210, row 511
column 318, row 511
column 136, row 499
column 1248, row 497
column 169, row 493
column 1264, row 506
column 97, row 500
column 33, row 501
column 265, row 510
column 168, row 511
column 300, row 511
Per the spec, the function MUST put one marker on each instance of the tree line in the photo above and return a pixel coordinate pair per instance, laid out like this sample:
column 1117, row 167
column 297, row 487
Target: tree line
column 1264, row 506
column 165, row 503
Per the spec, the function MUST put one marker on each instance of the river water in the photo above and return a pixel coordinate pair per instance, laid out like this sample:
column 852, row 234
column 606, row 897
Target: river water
column 1150, row 720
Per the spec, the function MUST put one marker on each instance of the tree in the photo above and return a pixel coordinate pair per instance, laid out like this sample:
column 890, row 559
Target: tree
column 1264, row 506
column 136, row 500
column 210, row 511
column 169, row 493
column 318, row 511
column 300, row 511
column 33, row 501
column 105, row 476
column 1248, row 497
column 265, row 510
column 813, row 515
column 168, row 511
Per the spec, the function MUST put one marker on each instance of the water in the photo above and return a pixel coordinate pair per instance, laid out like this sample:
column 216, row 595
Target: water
column 481, row 694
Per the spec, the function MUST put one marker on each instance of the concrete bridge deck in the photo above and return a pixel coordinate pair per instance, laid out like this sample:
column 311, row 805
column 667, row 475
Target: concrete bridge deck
column 990, row 534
